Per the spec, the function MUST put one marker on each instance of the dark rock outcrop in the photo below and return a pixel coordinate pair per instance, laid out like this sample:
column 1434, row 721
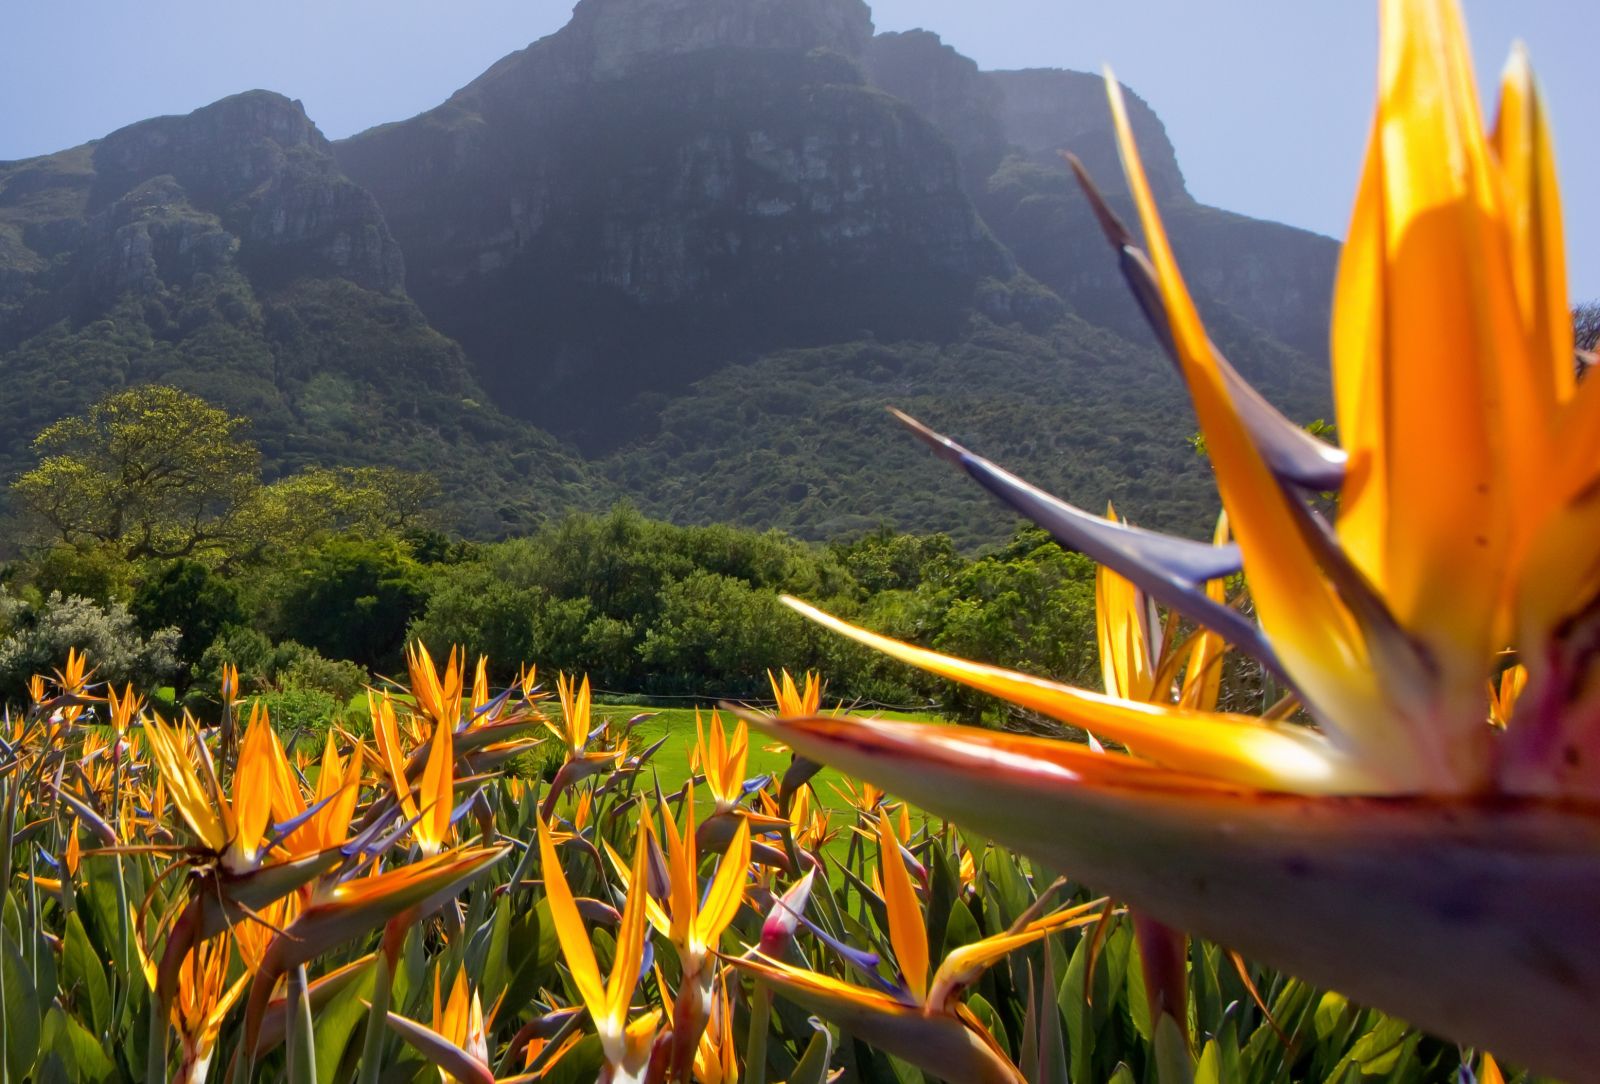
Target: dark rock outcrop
column 247, row 180
column 948, row 89
column 613, row 210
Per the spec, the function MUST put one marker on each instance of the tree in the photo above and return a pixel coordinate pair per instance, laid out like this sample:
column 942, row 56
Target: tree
column 151, row 470
column 367, row 501
column 192, row 598
column 353, row 600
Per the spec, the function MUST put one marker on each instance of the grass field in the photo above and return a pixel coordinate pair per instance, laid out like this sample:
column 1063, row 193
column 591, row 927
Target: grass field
column 671, row 761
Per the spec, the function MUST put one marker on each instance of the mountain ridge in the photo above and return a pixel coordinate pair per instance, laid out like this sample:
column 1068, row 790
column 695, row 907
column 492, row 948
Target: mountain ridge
column 664, row 212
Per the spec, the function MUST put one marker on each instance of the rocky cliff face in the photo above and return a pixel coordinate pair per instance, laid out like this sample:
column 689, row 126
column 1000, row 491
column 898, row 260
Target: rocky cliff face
column 1047, row 110
column 634, row 202
column 225, row 252
column 620, row 34
column 248, row 180
column 1009, row 128
column 1274, row 276
column 947, row 88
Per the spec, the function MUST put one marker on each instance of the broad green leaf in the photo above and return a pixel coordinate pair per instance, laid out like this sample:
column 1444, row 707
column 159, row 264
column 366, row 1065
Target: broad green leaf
column 1052, row 1044
column 1330, row 1014
column 338, row 1020
column 1378, row 1050
column 377, row 1016
column 989, row 1018
column 1138, row 1001
column 79, row 1051
column 1074, row 1002
column 944, row 887
column 19, row 1012
column 301, row 1058
column 812, row 1068
column 1209, row 1069
column 533, row 951
column 1008, row 887
column 496, row 970
column 83, row 975
column 961, row 929
column 1171, row 1052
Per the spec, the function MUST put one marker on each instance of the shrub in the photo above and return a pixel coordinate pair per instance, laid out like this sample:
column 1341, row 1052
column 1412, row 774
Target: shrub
column 310, row 711
column 191, row 597
column 353, row 599
column 39, row 637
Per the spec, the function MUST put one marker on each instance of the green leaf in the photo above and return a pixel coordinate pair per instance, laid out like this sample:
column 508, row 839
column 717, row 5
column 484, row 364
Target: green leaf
column 812, row 1068
column 1171, row 1052
column 107, row 920
column 377, row 1016
column 1330, row 1014
column 80, row 1052
column 84, row 975
column 1052, row 1045
column 1209, row 1069
column 1074, row 1001
column 338, row 1020
column 1378, row 1050
column 533, row 950
column 1009, row 888
column 496, row 972
column 1138, row 999
column 300, row 1062
column 19, row 1012
column 961, row 929
column 944, row 888
column 989, row 1019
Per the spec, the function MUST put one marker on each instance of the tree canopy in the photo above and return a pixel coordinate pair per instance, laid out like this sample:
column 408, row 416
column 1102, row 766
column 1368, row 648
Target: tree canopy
column 154, row 472
column 151, row 470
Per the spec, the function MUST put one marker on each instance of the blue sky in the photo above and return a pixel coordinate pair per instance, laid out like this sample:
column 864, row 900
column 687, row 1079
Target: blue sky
column 1267, row 101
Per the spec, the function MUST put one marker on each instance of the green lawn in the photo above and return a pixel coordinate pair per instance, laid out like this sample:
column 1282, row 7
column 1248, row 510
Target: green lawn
column 671, row 761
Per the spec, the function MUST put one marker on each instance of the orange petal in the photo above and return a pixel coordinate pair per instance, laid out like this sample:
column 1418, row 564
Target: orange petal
column 570, row 931
column 906, row 931
column 1432, row 373
column 940, row 1043
column 1292, row 881
column 1234, row 748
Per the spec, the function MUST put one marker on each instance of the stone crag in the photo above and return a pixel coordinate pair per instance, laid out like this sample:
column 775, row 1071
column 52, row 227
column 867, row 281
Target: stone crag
column 661, row 188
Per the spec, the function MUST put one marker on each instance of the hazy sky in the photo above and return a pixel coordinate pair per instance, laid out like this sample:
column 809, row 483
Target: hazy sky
column 1267, row 101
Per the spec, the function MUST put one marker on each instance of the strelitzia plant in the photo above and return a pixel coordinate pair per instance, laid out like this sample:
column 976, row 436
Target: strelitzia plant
column 457, row 1043
column 203, row 1001
column 923, row 1020
column 1398, row 848
column 628, row 1046
column 723, row 758
column 694, row 926
column 574, row 732
column 429, row 820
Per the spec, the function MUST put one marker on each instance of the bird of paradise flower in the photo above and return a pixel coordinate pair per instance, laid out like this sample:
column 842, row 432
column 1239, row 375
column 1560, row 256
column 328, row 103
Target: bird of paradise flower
column 1399, row 847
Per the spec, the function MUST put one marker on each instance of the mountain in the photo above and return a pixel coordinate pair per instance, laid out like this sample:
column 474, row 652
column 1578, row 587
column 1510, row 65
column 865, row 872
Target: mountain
column 226, row 253
column 1008, row 128
column 663, row 187
column 680, row 250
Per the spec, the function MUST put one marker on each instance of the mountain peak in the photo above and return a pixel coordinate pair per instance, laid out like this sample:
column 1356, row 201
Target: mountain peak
column 622, row 32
